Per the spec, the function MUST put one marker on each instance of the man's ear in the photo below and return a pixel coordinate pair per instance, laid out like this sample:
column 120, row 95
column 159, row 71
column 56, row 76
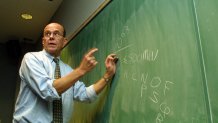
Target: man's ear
column 42, row 41
column 65, row 42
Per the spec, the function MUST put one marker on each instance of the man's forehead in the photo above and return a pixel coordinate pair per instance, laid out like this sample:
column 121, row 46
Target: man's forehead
column 53, row 27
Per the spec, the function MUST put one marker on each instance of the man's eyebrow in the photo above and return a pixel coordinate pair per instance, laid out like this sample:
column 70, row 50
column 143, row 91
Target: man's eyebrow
column 52, row 31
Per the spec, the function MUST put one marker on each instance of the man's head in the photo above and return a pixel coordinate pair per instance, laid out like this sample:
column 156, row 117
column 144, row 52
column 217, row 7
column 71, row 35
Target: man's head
column 54, row 39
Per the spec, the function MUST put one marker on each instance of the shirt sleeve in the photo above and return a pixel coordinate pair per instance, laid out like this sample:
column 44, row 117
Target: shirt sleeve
column 83, row 93
column 91, row 93
column 33, row 73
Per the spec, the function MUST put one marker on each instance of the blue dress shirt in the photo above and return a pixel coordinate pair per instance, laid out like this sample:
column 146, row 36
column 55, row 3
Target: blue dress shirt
column 34, row 101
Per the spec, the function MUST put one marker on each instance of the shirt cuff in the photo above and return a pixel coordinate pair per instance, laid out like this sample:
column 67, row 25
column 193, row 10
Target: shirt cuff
column 91, row 93
column 53, row 90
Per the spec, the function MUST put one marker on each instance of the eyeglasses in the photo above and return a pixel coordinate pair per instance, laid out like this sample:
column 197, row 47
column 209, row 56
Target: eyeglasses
column 55, row 34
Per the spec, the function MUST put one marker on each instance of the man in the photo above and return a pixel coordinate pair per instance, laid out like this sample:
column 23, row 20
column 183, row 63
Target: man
column 39, row 89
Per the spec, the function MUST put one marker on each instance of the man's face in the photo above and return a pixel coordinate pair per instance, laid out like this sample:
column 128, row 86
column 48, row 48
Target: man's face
column 53, row 40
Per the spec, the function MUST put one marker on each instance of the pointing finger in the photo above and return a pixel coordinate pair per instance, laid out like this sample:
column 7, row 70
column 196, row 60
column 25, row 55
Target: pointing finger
column 92, row 51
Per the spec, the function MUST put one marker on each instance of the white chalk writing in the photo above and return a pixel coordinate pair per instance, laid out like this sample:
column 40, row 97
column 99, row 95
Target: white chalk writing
column 120, row 41
column 146, row 55
column 159, row 90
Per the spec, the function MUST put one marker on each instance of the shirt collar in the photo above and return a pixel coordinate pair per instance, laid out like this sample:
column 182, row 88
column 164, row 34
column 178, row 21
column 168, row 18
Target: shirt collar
column 49, row 56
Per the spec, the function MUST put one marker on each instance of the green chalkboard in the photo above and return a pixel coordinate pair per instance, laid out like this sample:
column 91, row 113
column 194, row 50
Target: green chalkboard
column 161, row 76
column 208, row 29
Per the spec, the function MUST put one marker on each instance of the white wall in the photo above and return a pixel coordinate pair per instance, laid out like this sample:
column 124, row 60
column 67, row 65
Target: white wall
column 72, row 13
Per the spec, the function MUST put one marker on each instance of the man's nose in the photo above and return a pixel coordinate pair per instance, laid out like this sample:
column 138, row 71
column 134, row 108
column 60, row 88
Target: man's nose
column 51, row 35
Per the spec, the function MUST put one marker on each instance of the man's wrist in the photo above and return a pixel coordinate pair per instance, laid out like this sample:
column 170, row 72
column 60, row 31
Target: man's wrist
column 106, row 79
column 80, row 71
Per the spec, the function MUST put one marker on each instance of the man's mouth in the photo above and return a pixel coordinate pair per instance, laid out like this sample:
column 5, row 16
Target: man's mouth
column 52, row 44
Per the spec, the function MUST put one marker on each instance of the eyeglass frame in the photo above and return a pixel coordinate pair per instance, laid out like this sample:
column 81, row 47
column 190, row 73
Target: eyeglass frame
column 56, row 34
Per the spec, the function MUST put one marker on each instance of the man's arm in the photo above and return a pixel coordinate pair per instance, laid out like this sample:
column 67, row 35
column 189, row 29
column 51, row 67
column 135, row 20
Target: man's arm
column 88, row 63
column 110, row 64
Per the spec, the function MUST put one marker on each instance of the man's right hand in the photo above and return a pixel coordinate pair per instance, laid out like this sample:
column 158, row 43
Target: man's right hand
column 88, row 62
